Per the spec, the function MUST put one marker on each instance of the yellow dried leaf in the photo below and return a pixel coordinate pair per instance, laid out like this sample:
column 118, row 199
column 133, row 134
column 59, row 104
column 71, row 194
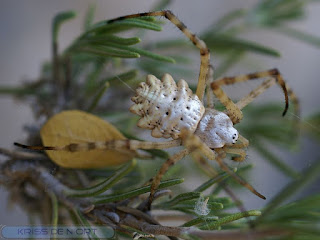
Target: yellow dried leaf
column 81, row 127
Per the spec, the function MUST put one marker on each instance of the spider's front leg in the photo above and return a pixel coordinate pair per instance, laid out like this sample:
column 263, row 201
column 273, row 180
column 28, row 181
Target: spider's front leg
column 201, row 45
column 193, row 142
column 237, row 149
column 234, row 110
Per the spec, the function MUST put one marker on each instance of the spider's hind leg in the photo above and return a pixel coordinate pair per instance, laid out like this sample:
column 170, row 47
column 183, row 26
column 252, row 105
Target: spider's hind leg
column 164, row 168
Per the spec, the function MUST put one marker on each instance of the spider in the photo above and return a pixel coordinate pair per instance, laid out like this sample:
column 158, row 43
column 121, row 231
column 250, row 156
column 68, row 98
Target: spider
column 171, row 110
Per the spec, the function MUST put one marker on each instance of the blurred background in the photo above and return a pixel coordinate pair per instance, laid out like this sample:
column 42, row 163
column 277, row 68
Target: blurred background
column 25, row 28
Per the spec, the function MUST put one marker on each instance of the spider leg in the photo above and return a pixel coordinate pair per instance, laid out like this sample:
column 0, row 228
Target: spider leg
column 119, row 145
column 203, row 164
column 233, row 110
column 263, row 87
column 193, row 142
column 242, row 153
column 209, row 93
column 224, row 167
column 242, row 142
column 164, row 168
column 237, row 149
column 204, row 51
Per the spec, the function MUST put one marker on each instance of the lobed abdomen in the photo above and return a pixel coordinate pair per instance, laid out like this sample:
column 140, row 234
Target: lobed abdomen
column 166, row 107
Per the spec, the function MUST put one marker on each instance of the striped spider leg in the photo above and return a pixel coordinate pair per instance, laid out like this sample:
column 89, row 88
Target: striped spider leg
column 234, row 109
column 171, row 110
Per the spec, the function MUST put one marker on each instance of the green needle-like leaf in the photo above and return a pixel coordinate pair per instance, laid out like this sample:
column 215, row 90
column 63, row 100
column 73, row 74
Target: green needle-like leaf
column 225, row 42
column 211, row 182
column 302, row 36
column 103, row 186
column 230, row 218
column 182, row 197
column 89, row 17
column 200, row 220
column 306, row 177
column 85, row 223
column 98, row 97
column 122, row 78
column 133, row 193
column 227, row 19
column 19, row 91
column 104, row 51
column 57, row 22
column 144, row 53
column 105, row 39
column 116, row 80
column 55, row 211
column 274, row 160
column 123, row 25
column 230, row 60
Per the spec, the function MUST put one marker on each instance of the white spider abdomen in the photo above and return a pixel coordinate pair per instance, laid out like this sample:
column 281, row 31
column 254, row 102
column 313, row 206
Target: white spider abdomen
column 216, row 129
column 166, row 107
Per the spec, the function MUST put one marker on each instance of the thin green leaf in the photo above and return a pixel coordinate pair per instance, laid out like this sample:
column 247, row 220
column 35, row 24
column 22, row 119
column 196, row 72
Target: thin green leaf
column 97, row 98
column 19, row 91
column 158, row 153
column 123, row 25
column 171, row 43
column 307, row 208
column 211, row 182
column 84, row 222
column 122, row 78
column 274, row 12
column 231, row 218
column 103, row 186
column 199, row 220
column 55, row 212
column 274, row 160
column 301, row 217
column 93, row 78
column 230, row 60
column 133, row 193
column 225, row 42
column 105, row 51
column 189, row 206
column 57, row 22
column 144, row 53
column 105, row 39
column 302, row 36
column 182, row 197
column 227, row 19
column 89, row 17
column 308, row 175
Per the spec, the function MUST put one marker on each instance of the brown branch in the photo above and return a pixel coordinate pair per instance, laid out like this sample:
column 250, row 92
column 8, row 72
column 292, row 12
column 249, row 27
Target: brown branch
column 137, row 213
column 186, row 232
column 20, row 154
column 42, row 177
